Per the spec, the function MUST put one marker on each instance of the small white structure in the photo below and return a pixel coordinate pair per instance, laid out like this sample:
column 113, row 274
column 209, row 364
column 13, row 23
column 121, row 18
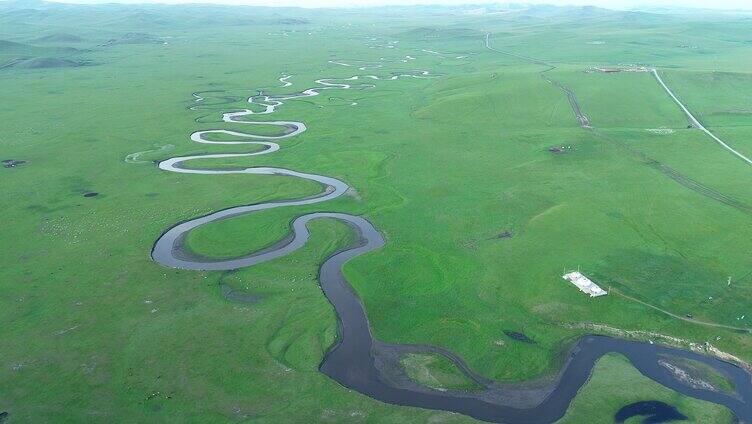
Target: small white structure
column 584, row 284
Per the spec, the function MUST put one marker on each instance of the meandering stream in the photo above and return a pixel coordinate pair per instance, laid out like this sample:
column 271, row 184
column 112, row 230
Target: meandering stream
column 369, row 366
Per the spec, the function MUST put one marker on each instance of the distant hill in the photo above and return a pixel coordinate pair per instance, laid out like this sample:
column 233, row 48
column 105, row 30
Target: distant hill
column 133, row 38
column 438, row 32
column 578, row 13
column 143, row 18
column 549, row 11
column 292, row 21
column 9, row 47
column 21, row 4
column 42, row 63
column 59, row 38
column 13, row 48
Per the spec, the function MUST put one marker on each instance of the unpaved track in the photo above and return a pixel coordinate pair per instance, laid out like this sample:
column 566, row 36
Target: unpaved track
column 695, row 123
column 679, row 317
column 583, row 119
column 571, row 97
column 666, row 170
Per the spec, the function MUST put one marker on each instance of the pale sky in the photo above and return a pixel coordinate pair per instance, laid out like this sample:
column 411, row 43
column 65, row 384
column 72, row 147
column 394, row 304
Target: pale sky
column 612, row 4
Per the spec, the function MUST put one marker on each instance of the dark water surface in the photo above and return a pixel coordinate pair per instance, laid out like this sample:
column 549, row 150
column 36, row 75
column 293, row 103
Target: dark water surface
column 655, row 412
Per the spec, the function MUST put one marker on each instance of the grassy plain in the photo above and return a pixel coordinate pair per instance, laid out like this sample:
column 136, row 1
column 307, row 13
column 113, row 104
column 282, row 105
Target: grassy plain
column 614, row 376
column 95, row 331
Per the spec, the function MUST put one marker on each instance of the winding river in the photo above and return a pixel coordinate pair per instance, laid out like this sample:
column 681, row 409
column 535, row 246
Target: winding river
column 358, row 361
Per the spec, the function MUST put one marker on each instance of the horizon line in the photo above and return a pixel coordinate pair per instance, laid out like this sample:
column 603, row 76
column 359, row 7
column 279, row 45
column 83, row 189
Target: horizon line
column 385, row 5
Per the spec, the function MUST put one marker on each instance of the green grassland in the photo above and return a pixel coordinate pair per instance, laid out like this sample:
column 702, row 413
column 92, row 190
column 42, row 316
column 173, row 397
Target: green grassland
column 94, row 331
column 614, row 376
column 436, row 372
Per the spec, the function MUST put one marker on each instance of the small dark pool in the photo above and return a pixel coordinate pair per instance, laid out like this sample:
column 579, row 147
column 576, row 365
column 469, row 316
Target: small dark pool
column 654, row 411
column 12, row 163
column 520, row 337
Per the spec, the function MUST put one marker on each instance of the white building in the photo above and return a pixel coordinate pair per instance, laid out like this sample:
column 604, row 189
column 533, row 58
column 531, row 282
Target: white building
column 584, row 284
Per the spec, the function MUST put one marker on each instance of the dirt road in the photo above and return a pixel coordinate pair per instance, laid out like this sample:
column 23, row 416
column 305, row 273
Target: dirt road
column 695, row 123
